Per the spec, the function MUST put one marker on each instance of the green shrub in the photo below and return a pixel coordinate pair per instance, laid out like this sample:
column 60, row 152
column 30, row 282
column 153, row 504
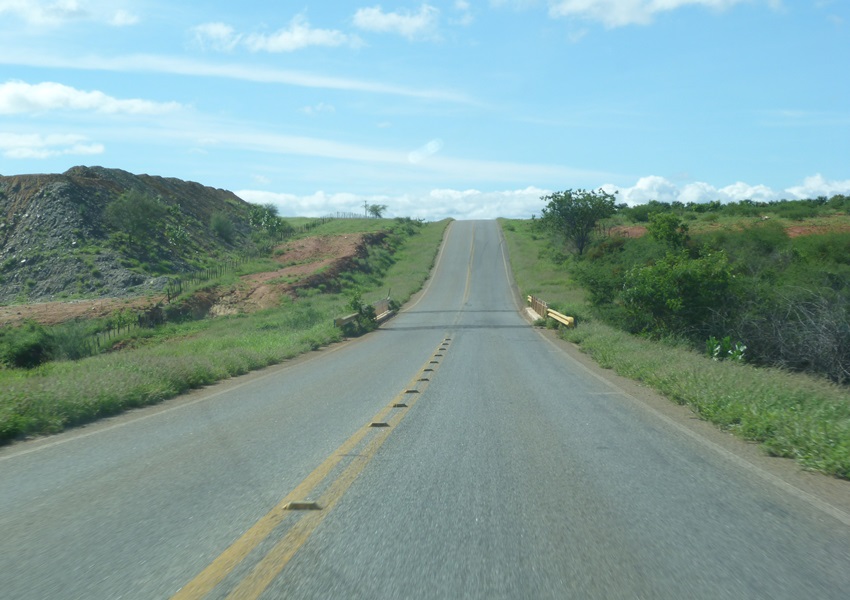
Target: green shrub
column 825, row 248
column 25, row 347
column 668, row 229
column 366, row 319
column 677, row 295
column 222, row 226
column 71, row 341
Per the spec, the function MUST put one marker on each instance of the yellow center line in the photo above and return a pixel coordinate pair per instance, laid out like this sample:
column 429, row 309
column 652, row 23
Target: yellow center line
column 268, row 568
column 278, row 557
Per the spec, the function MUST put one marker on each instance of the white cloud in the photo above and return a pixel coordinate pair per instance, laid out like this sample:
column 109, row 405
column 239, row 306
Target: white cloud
column 429, row 149
column 817, row 185
column 19, row 97
column 441, row 203
column 648, row 188
column 663, row 190
column 141, row 63
column 432, row 205
column 35, row 12
column 392, row 163
column 37, row 146
column 618, row 13
column 464, row 13
column 404, row 23
column 123, row 18
column 298, row 35
column 743, row 191
column 317, row 109
column 216, row 36
column 318, row 204
column 53, row 13
column 698, row 192
column 476, row 204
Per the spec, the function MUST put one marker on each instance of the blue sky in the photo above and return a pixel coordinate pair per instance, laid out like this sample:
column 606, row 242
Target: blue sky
column 462, row 108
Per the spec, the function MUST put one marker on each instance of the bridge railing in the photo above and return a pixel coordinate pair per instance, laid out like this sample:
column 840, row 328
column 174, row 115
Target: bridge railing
column 541, row 307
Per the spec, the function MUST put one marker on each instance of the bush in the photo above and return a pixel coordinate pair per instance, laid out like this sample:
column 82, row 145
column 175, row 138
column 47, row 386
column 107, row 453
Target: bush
column 642, row 212
column 677, row 295
column 755, row 250
column 222, row 226
column 366, row 319
column 71, row 341
column 136, row 214
column 825, row 248
column 668, row 229
column 797, row 328
column 25, row 347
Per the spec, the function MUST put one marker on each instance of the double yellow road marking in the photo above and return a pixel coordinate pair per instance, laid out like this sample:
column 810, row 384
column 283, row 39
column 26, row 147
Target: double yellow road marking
column 366, row 441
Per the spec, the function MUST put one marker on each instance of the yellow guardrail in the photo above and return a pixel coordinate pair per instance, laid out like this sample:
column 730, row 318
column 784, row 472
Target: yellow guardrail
column 382, row 313
column 541, row 307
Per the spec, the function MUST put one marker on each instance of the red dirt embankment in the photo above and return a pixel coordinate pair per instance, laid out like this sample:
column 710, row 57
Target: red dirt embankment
column 301, row 260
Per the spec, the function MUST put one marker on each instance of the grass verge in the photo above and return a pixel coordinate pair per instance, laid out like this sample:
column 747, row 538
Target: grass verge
column 791, row 415
column 177, row 357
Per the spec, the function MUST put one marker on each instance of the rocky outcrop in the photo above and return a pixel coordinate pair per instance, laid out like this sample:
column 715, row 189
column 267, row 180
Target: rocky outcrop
column 56, row 244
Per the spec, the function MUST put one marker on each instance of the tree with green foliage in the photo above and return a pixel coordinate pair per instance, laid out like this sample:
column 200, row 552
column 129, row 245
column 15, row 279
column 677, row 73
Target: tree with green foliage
column 265, row 218
column 136, row 214
column 668, row 229
column 575, row 214
column 376, row 210
column 677, row 294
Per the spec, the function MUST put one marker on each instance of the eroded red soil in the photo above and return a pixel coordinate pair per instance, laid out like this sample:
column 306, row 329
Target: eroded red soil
column 299, row 259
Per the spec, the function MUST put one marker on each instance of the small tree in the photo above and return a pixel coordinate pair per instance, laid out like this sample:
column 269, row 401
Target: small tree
column 575, row 213
column 265, row 218
column 377, row 210
column 136, row 214
column 668, row 229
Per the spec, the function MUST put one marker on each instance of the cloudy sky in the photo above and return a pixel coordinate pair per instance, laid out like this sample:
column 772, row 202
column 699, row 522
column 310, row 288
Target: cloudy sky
column 463, row 108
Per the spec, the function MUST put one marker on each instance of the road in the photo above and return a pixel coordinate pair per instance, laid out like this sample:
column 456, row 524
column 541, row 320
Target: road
column 455, row 453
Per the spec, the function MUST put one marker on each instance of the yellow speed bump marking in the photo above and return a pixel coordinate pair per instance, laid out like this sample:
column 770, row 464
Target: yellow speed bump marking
column 380, row 427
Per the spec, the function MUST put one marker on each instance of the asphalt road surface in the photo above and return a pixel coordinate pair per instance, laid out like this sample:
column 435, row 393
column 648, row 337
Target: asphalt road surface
column 455, row 453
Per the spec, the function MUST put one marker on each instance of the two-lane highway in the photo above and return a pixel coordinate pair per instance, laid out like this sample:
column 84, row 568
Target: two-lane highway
column 454, row 453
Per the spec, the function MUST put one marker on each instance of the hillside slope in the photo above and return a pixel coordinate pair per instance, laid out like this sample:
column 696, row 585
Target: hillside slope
column 56, row 242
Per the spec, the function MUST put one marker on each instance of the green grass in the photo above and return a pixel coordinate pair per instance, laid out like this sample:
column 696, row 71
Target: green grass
column 172, row 359
column 413, row 263
column 343, row 226
column 791, row 415
column 536, row 269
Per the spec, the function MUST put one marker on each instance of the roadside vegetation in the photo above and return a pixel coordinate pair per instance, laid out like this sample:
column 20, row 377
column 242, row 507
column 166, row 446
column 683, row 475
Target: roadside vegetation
column 716, row 306
column 66, row 385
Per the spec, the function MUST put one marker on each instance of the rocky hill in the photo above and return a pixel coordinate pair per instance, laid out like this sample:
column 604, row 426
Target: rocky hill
column 57, row 240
